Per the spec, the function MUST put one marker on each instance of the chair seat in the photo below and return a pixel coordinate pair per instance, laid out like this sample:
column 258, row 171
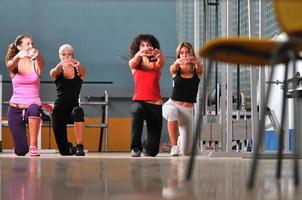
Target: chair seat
column 243, row 50
column 288, row 15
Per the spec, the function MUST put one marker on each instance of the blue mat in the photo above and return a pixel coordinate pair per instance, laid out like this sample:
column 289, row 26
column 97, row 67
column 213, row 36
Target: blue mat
column 271, row 140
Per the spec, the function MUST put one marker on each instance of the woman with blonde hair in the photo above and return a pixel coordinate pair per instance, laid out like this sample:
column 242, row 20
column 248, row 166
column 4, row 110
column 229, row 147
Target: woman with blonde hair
column 68, row 75
column 178, row 110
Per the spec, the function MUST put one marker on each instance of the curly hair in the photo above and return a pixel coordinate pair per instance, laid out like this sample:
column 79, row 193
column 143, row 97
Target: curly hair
column 12, row 48
column 184, row 44
column 134, row 46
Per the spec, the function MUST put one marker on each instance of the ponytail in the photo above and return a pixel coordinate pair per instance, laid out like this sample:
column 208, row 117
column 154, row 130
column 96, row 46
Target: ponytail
column 12, row 48
column 11, row 52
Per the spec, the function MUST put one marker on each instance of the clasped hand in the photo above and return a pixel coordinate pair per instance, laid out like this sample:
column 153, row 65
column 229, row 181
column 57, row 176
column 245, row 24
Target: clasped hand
column 187, row 60
column 71, row 63
column 32, row 53
column 150, row 52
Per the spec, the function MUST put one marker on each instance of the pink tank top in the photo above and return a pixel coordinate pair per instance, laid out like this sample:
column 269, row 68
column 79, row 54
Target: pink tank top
column 26, row 89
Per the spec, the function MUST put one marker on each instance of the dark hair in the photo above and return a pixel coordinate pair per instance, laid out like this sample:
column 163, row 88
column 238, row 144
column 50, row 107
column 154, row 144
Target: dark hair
column 134, row 46
column 12, row 48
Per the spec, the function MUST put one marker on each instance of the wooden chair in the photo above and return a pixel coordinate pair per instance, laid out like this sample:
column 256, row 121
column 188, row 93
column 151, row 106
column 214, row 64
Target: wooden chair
column 264, row 51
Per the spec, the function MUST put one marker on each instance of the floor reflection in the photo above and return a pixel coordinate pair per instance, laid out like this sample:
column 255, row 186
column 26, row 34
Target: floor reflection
column 226, row 178
column 177, row 187
column 107, row 176
column 22, row 180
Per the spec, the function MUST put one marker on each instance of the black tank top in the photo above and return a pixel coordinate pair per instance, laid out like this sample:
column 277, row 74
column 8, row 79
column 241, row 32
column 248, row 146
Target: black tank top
column 68, row 90
column 185, row 89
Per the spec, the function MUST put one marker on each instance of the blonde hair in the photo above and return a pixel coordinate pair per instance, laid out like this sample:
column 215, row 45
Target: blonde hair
column 184, row 44
column 66, row 47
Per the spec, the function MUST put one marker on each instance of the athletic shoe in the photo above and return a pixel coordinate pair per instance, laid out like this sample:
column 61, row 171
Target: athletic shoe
column 135, row 152
column 174, row 151
column 33, row 151
column 80, row 150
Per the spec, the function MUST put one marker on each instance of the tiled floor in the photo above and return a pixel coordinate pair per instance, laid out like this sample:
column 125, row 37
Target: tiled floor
column 118, row 176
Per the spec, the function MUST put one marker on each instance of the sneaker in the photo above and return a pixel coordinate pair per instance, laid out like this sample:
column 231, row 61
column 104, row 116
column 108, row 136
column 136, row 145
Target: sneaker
column 33, row 151
column 80, row 150
column 135, row 152
column 174, row 151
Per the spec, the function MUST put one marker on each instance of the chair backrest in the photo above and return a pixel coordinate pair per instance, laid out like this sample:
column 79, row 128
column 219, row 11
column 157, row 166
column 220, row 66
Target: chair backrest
column 289, row 16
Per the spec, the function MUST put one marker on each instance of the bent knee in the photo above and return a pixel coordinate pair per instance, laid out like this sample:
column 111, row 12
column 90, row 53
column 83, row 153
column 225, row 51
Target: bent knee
column 21, row 152
column 34, row 110
column 78, row 114
column 170, row 112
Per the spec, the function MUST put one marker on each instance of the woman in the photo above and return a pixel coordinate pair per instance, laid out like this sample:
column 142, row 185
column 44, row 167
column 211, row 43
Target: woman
column 146, row 63
column 178, row 110
column 68, row 75
column 25, row 65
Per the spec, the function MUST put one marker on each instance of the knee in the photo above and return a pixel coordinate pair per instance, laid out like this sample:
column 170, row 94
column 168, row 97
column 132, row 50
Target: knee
column 65, row 153
column 69, row 151
column 151, row 153
column 34, row 110
column 21, row 152
column 170, row 112
column 78, row 114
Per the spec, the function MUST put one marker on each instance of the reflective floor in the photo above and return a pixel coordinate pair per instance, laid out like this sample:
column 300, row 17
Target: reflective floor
column 118, row 176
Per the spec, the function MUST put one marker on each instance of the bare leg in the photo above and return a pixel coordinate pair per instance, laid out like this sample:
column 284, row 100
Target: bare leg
column 34, row 127
column 79, row 130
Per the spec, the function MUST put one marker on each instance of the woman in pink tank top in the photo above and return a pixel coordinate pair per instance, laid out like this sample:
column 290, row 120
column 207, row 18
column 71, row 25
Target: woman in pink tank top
column 25, row 65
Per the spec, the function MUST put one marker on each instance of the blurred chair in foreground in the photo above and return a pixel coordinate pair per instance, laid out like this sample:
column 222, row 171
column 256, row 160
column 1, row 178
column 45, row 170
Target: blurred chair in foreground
column 255, row 51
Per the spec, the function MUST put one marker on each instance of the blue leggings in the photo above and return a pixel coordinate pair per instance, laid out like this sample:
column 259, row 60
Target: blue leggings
column 17, row 119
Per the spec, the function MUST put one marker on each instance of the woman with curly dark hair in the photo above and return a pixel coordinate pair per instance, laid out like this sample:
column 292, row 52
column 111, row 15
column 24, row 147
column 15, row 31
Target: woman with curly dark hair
column 146, row 63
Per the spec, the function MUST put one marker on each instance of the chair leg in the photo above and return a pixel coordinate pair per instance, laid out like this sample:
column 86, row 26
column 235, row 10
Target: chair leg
column 297, row 126
column 259, row 139
column 258, row 143
column 297, row 149
column 279, row 51
column 281, row 137
column 296, row 160
column 297, row 144
column 199, row 121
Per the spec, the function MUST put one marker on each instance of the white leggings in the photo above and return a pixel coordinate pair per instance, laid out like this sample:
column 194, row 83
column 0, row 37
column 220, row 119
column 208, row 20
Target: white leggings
column 184, row 117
